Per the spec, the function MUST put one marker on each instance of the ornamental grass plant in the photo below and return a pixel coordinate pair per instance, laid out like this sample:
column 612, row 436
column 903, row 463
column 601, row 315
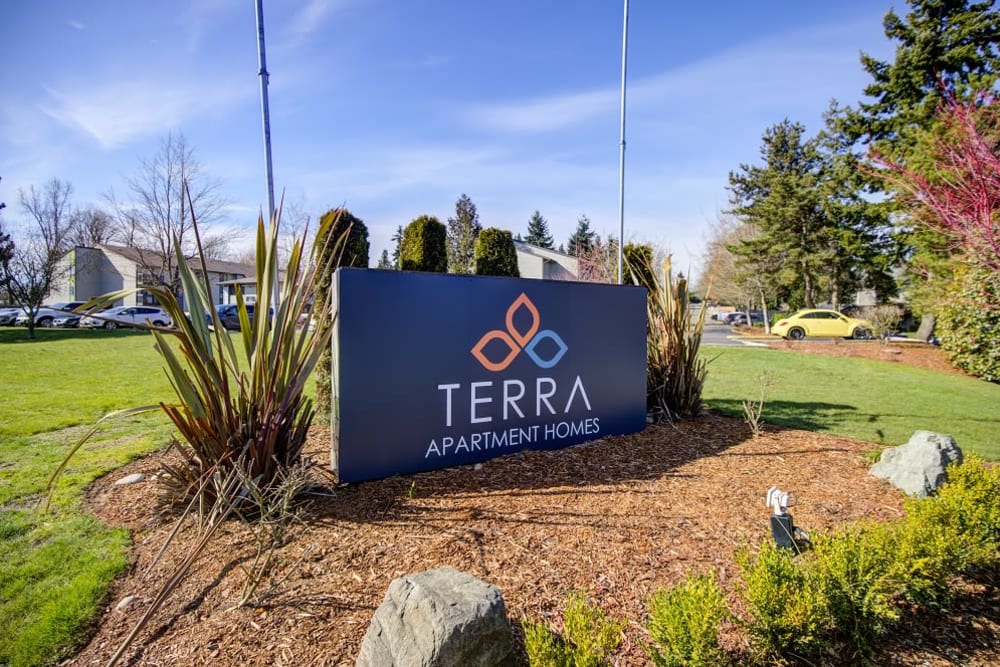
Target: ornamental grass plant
column 675, row 371
column 241, row 412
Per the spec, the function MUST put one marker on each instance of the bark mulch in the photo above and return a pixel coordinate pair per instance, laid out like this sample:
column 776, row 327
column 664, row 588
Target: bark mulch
column 616, row 518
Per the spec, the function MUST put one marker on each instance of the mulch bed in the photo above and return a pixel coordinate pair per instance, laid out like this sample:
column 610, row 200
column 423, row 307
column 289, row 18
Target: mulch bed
column 616, row 518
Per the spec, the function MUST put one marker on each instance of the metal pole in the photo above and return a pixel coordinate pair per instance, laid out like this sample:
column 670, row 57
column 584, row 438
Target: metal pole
column 621, row 154
column 266, row 116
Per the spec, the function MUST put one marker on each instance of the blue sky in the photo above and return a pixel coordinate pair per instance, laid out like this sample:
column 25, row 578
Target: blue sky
column 395, row 108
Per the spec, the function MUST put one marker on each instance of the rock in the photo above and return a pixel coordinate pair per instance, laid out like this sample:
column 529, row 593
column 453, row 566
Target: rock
column 918, row 468
column 439, row 618
column 125, row 601
column 134, row 478
column 477, row 467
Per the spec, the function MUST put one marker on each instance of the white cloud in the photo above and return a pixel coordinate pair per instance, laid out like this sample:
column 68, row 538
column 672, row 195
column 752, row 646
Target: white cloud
column 79, row 25
column 116, row 113
column 310, row 18
column 544, row 114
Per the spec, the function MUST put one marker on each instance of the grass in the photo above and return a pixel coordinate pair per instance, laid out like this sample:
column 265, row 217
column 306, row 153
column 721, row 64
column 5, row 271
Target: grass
column 55, row 567
column 869, row 400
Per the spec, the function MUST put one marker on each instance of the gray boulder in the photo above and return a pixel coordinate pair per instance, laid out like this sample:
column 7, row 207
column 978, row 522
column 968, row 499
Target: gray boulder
column 918, row 467
column 439, row 618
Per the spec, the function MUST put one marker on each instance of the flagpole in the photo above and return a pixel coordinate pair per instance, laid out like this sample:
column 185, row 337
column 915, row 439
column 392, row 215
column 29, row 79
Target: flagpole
column 621, row 153
column 266, row 118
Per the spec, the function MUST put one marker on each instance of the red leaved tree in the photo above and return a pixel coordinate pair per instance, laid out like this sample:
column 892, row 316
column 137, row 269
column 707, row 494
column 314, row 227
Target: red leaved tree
column 958, row 192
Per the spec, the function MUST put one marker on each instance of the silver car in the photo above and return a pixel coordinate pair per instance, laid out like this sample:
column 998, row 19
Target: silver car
column 128, row 316
column 46, row 315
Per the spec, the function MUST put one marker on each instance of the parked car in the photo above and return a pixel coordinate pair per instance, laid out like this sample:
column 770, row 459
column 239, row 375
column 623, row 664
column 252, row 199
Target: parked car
column 8, row 314
column 124, row 316
column 46, row 315
column 739, row 318
column 823, row 323
column 67, row 320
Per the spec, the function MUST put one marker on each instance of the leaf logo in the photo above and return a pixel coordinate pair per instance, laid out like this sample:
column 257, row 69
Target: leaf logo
column 516, row 341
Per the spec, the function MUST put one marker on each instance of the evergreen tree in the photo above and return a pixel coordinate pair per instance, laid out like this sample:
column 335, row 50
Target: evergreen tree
column 423, row 246
column 396, row 239
column 463, row 229
column 582, row 239
column 944, row 48
column 538, row 232
column 496, row 254
column 337, row 250
column 384, row 262
column 782, row 199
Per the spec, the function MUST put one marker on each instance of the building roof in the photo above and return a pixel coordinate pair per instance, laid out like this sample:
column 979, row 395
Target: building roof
column 152, row 258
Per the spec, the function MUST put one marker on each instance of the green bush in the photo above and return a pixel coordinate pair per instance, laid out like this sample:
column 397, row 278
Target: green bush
column 955, row 530
column 495, row 254
column 638, row 260
column 969, row 324
column 424, row 246
column 353, row 252
column 684, row 624
column 855, row 574
column 589, row 637
column 787, row 611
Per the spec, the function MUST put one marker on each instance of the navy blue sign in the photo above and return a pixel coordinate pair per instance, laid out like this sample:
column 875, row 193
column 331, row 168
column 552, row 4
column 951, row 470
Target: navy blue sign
column 434, row 370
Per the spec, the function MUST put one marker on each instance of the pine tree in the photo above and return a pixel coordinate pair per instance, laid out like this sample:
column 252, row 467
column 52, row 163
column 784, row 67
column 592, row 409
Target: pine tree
column 538, row 232
column 397, row 240
column 463, row 229
column 384, row 262
column 582, row 239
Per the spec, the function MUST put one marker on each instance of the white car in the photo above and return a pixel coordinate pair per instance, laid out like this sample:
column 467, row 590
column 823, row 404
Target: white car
column 128, row 316
column 47, row 314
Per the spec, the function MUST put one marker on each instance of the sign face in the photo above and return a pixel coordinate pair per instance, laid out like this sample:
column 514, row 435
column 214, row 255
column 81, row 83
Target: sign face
column 435, row 370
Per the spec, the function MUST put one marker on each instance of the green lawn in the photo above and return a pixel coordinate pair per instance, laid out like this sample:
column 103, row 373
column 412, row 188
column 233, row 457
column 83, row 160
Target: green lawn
column 55, row 567
column 881, row 402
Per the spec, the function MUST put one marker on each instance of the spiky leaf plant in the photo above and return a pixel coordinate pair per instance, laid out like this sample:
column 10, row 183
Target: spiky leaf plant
column 227, row 409
column 675, row 371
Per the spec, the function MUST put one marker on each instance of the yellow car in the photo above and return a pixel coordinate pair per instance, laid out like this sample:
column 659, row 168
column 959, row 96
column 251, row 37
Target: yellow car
column 817, row 322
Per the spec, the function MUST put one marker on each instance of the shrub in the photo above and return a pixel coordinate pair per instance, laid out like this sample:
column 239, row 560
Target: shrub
column 970, row 323
column 684, row 624
column 958, row 528
column 788, row 612
column 335, row 224
column 589, row 637
column 675, row 371
column 495, row 254
column 885, row 319
column 424, row 246
column 638, row 260
column 854, row 570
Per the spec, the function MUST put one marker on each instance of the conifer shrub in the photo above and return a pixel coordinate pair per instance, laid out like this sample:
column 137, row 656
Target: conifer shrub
column 638, row 260
column 588, row 640
column 787, row 611
column 969, row 323
column 337, row 223
column 955, row 530
column 858, row 582
column 495, row 254
column 684, row 624
column 424, row 246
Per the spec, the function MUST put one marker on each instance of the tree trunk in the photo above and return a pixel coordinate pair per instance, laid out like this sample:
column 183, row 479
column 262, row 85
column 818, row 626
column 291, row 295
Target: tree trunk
column 926, row 328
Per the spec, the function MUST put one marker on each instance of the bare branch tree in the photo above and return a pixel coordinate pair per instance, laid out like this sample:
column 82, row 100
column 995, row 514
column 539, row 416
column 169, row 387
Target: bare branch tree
column 158, row 212
column 36, row 262
column 90, row 227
